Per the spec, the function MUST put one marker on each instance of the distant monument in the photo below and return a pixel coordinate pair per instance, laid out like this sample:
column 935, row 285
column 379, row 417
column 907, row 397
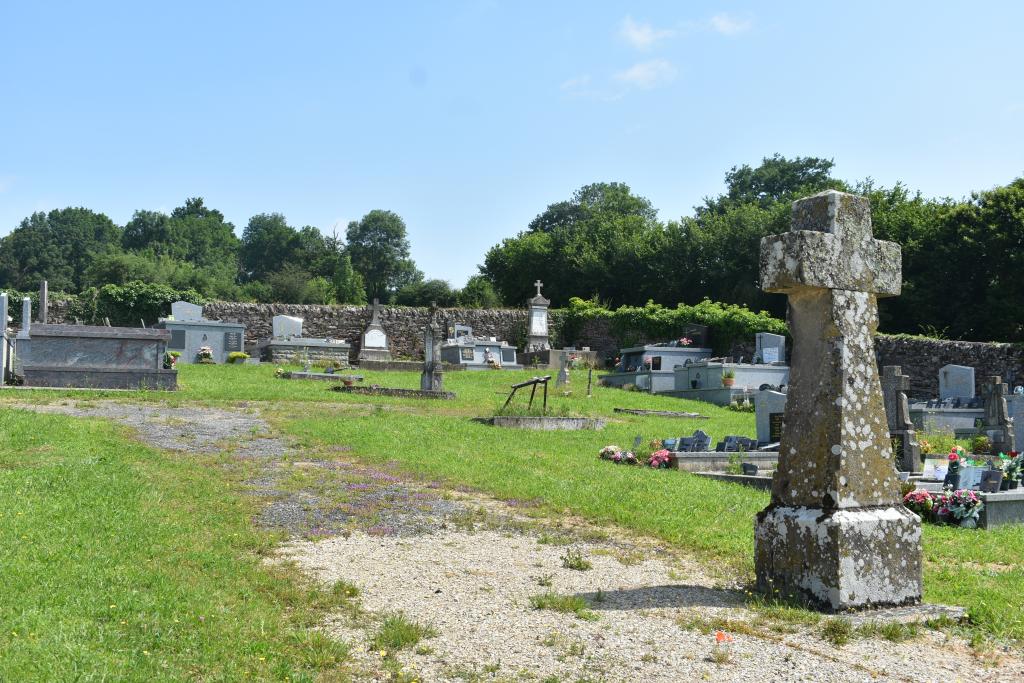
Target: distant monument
column 836, row 533
column 998, row 423
column 537, row 337
column 906, row 450
column 374, row 345
column 432, row 378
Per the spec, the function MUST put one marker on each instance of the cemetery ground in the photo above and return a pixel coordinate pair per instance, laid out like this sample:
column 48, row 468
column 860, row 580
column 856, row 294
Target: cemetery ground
column 247, row 527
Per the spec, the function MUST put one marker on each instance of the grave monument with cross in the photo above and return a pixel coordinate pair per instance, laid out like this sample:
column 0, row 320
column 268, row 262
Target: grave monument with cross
column 432, row 377
column 835, row 533
column 906, row 450
column 374, row 345
column 537, row 338
column 998, row 425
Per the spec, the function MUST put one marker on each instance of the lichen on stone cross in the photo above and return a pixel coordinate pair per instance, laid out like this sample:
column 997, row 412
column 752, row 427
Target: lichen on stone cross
column 835, row 533
column 835, row 450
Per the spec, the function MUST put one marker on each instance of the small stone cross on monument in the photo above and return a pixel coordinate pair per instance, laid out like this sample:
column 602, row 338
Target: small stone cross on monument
column 375, row 316
column 538, row 284
column 836, row 533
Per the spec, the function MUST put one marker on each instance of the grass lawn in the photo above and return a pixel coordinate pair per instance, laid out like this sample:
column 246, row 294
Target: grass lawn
column 430, row 439
column 119, row 562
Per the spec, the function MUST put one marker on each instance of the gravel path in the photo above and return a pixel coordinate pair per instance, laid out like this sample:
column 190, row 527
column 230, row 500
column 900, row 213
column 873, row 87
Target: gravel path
column 474, row 588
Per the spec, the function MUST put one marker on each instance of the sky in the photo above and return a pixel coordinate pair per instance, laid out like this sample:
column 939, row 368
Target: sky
column 469, row 118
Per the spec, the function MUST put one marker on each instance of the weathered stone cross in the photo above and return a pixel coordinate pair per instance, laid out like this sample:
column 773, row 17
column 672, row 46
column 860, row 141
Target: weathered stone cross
column 375, row 318
column 836, row 533
column 901, row 428
column 538, row 284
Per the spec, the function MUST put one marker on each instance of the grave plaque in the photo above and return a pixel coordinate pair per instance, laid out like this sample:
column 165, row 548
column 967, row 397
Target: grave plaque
column 956, row 381
column 836, row 534
column 177, row 340
column 232, row 341
column 769, row 408
column 775, row 427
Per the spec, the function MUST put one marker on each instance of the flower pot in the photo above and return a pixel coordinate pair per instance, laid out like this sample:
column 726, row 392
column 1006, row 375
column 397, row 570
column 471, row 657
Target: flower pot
column 693, row 384
column 728, row 381
column 1004, row 485
column 1014, row 483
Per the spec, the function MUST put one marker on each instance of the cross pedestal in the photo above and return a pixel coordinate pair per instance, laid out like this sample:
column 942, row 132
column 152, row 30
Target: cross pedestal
column 836, row 534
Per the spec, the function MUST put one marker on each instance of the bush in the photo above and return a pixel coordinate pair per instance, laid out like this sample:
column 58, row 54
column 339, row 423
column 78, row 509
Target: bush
column 129, row 303
column 727, row 323
column 237, row 357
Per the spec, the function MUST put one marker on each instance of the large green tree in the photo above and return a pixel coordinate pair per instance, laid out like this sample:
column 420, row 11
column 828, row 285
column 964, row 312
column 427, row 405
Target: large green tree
column 379, row 249
column 57, row 246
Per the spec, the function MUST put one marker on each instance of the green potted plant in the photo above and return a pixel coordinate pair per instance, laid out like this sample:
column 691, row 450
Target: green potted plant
column 728, row 377
column 1012, row 470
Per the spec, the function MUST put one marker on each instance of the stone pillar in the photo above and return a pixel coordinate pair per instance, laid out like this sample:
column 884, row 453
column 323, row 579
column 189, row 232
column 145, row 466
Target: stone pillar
column 432, row 378
column 907, row 452
column 44, row 303
column 998, row 423
column 836, row 533
column 3, row 336
column 26, row 318
column 537, row 338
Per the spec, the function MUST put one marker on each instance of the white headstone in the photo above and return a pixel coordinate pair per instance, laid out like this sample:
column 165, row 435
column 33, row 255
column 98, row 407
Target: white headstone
column 185, row 311
column 538, row 322
column 375, row 339
column 956, row 381
column 285, row 326
column 770, row 348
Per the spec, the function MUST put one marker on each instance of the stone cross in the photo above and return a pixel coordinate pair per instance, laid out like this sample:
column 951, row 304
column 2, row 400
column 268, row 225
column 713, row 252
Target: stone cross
column 375, row 320
column 432, row 377
column 998, row 423
column 836, row 533
column 44, row 302
column 538, row 284
column 906, row 450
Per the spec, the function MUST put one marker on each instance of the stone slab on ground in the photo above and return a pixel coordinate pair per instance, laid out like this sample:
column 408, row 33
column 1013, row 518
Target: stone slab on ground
column 661, row 413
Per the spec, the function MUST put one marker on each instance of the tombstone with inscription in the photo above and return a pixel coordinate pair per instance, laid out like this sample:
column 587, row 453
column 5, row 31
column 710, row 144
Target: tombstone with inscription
column 906, row 450
column 998, row 425
column 190, row 331
column 374, row 346
column 956, row 381
column 835, row 534
column 769, row 409
column 769, row 348
column 537, row 323
column 432, row 378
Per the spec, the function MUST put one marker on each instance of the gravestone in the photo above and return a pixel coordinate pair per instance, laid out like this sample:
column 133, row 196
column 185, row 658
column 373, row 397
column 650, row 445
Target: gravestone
column 835, row 534
column 374, row 346
column 44, row 302
column 563, row 372
column 906, row 450
column 769, row 348
column 537, row 322
column 286, row 326
column 956, row 381
column 26, row 318
column 432, row 378
column 183, row 311
column 997, row 425
column 769, row 409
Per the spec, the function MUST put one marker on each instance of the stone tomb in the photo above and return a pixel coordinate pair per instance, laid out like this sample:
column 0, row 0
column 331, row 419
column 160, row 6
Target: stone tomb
column 94, row 357
column 287, row 345
column 907, row 452
column 956, row 381
column 374, row 345
column 835, row 533
column 472, row 353
column 190, row 331
column 652, row 367
column 703, row 380
column 769, row 411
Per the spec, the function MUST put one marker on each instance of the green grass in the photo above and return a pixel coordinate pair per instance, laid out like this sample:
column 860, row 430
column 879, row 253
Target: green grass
column 567, row 604
column 397, row 632
column 559, row 472
column 120, row 562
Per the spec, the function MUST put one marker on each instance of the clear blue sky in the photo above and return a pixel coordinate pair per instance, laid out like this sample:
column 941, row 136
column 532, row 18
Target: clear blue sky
column 469, row 118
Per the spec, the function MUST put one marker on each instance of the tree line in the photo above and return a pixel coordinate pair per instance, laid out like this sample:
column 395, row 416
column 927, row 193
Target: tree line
column 962, row 258
column 195, row 249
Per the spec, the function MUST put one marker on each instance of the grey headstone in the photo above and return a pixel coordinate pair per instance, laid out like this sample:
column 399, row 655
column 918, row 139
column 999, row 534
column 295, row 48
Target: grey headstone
column 769, row 408
column 185, row 311
column 285, row 326
column 835, row 534
column 956, row 381
column 26, row 318
column 770, row 348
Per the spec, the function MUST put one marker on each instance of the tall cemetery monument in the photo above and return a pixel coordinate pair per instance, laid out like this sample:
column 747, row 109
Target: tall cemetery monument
column 835, row 533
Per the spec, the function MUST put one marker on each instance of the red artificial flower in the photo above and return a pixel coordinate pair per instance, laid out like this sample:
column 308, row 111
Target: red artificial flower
column 953, row 457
